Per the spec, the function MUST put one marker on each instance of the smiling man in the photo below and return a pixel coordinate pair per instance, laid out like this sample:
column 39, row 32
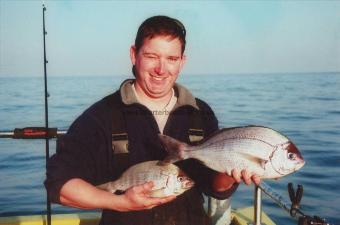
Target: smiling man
column 159, row 62
column 122, row 130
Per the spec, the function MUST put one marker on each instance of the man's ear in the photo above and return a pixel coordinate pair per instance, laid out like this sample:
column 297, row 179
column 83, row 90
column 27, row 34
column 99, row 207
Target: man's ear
column 183, row 60
column 133, row 54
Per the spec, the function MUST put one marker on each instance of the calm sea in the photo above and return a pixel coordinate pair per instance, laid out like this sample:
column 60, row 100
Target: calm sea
column 305, row 107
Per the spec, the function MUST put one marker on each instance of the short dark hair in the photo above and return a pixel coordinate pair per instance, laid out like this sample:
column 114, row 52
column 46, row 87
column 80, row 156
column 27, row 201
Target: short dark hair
column 159, row 26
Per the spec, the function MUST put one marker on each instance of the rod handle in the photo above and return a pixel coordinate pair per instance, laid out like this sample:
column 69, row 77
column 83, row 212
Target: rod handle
column 34, row 133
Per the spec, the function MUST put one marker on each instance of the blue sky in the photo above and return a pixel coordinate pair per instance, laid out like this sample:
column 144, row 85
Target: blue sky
column 93, row 37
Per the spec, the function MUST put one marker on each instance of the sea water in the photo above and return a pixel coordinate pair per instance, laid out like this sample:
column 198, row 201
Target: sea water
column 305, row 107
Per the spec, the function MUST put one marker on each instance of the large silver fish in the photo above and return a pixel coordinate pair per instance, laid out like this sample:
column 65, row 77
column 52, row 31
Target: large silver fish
column 259, row 149
column 167, row 178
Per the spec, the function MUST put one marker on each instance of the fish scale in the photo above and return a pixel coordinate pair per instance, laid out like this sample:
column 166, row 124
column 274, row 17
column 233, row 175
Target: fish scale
column 167, row 178
column 217, row 159
column 259, row 149
column 264, row 134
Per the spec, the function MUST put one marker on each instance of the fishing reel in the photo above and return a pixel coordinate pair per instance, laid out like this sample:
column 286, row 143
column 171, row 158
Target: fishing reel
column 315, row 220
column 295, row 198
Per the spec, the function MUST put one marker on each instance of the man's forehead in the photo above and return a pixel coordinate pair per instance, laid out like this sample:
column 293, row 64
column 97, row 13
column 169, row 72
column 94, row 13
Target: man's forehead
column 156, row 42
column 168, row 38
column 161, row 36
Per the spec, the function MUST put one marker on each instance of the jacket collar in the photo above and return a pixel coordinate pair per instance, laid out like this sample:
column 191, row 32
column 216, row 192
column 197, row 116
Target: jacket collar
column 184, row 97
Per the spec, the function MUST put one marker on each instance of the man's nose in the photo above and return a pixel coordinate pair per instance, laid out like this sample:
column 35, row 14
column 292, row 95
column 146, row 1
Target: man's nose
column 160, row 67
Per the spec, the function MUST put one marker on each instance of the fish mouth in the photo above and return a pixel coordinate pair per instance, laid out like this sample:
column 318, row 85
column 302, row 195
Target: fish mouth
column 300, row 164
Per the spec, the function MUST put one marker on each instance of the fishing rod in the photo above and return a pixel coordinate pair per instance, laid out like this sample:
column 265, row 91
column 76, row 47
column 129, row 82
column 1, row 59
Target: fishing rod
column 39, row 132
column 47, row 152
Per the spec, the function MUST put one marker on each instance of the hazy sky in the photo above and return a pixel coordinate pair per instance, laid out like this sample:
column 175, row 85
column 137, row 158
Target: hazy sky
column 94, row 37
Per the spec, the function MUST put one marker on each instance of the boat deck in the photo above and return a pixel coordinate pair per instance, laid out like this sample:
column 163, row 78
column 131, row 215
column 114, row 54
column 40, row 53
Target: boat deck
column 243, row 216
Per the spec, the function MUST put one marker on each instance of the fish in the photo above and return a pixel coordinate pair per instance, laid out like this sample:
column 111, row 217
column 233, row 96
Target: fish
column 261, row 150
column 167, row 178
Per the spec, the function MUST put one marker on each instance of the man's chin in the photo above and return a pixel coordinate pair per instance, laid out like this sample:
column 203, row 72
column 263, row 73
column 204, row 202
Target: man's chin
column 158, row 93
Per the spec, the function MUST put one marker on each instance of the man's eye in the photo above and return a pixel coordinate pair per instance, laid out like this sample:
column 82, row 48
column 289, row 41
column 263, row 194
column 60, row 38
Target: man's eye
column 150, row 56
column 173, row 59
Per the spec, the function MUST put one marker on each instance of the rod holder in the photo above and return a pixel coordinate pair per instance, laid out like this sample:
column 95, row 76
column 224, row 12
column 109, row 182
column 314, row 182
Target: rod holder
column 257, row 206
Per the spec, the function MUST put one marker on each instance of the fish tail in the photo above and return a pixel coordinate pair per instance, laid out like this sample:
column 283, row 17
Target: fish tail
column 177, row 150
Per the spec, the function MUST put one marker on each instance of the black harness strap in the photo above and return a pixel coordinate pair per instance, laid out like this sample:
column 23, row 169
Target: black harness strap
column 119, row 134
column 121, row 156
column 195, row 132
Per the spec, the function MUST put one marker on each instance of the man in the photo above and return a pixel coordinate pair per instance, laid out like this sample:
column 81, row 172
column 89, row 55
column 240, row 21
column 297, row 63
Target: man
column 92, row 153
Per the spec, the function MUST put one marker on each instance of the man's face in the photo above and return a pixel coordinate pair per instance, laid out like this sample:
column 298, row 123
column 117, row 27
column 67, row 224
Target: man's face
column 158, row 63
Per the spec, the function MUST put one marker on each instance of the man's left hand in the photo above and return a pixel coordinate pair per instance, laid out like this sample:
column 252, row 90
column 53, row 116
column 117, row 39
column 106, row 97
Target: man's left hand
column 245, row 176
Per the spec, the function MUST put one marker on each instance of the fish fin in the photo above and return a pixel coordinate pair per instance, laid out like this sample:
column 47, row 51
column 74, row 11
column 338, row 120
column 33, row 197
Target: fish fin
column 119, row 192
column 176, row 149
column 254, row 159
column 109, row 186
column 162, row 163
column 253, row 154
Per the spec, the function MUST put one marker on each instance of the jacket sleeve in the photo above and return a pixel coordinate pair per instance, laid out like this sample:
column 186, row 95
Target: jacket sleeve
column 77, row 156
column 206, row 176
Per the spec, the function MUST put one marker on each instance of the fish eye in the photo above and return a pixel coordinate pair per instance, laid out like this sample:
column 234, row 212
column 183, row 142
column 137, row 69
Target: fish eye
column 180, row 179
column 291, row 156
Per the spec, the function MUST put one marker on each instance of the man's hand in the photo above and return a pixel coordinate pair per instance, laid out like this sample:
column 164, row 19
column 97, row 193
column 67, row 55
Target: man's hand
column 137, row 198
column 246, row 177
column 223, row 181
column 81, row 194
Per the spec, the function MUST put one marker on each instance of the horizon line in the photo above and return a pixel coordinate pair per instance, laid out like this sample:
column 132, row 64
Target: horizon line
column 184, row 74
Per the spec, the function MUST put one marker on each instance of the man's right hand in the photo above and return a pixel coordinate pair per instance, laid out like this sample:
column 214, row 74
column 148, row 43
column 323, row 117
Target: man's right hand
column 81, row 194
column 137, row 198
